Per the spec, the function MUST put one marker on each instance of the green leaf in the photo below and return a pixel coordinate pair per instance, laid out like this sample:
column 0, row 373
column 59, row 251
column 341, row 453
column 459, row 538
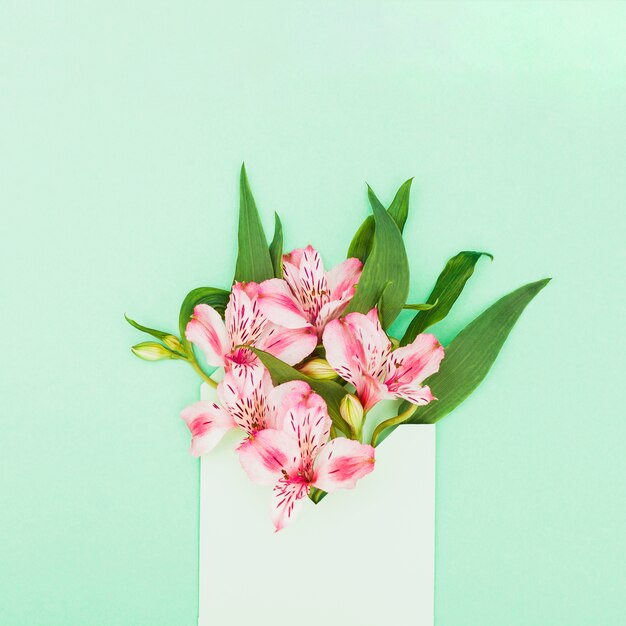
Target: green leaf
column 472, row 352
column 254, row 263
column 421, row 307
column 361, row 244
column 159, row 334
column 332, row 392
column 276, row 247
column 446, row 291
column 217, row 298
column 470, row 355
column 386, row 269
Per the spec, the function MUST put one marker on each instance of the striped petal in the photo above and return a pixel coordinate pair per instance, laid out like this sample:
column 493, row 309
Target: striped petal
column 207, row 331
column 341, row 463
column 289, row 498
column 207, row 422
column 278, row 302
column 343, row 278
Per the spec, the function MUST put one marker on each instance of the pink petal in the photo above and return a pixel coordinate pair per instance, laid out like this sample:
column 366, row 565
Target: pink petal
column 278, row 303
column 343, row 278
column 412, row 364
column 243, row 392
column 266, row 456
column 294, row 257
column 243, row 317
column 307, row 419
column 207, row 331
column 414, row 394
column 289, row 498
column 341, row 463
column 344, row 351
column 371, row 391
column 281, row 398
column 207, row 423
column 290, row 345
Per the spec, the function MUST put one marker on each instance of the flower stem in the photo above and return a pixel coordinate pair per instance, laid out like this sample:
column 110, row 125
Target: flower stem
column 392, row 421
column 191, row 358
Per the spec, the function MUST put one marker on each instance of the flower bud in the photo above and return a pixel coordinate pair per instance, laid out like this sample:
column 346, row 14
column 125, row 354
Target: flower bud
column 352, row 411
column 152, row 351
column 318, row 369
column 173, row 343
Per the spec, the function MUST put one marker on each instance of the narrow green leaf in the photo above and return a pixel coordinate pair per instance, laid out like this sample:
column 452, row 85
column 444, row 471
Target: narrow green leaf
column 421, row 307
column 362, row 242
column 159, row 334
column 276, row 247
column 447, row 289
column 217, row 298
column 386, row 269
column 332, row 392
column 471, row 354
column 254, row 263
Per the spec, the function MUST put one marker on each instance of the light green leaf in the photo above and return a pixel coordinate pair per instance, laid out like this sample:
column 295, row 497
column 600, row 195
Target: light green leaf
column 386, row 269
column 332, row 393
column 421, row 307
column 362, row 242
column 217, row 298
column 254, row 263
column 276, row 247
column 446, row 291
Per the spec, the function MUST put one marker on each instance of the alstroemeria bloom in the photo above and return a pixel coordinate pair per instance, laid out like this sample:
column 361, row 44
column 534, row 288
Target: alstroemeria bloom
column 298, row 455
column 308, row 294
column 245, row 324
column 360, row 352
column 248, row 400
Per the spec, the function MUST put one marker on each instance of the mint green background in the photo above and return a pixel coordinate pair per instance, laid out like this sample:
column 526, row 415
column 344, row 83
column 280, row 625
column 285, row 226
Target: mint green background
column 123, row 126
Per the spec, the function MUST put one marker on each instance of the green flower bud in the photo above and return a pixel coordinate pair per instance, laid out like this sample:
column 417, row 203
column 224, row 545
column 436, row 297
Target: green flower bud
column 318, row 369
column 152, row 351
column 352, row 411
column 173, row 343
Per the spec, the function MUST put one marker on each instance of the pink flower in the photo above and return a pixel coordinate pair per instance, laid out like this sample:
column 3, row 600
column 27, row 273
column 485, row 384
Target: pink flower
column 297, row 455
column 358, row 349
column 309, row 294
column 248, row 401
column 245, row 324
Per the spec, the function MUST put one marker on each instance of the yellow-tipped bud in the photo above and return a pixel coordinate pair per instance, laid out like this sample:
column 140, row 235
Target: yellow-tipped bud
column 352, row 411
column 173, row 343
column 318, row 369
column 152, row 351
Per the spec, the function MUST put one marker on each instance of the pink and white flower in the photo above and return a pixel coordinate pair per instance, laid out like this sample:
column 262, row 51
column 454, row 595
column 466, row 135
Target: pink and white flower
column 309, row 295
column 358, row 349
column 297, row 455
column 248, row 401
column 246, row 324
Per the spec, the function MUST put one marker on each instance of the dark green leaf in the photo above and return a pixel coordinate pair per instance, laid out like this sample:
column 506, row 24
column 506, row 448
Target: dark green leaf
column 330, row 391
column 471, row 354
column 159, row 334
column 361, row 244
column 254, row 263
column 386, row 269
column 276, row 248
column 446, row 291
column 217, row 298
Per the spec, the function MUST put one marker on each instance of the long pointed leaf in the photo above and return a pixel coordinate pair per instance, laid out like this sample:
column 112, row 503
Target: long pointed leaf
column 159, row 334
column 386, row 269
column 276, row 247
column 362, row 242
column 471, row 354
column 447, row 289
column 254, row 263
column 330, row 391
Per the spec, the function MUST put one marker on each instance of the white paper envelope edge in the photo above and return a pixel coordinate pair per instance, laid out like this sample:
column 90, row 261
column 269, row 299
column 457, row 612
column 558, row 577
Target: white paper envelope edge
column 363, row 556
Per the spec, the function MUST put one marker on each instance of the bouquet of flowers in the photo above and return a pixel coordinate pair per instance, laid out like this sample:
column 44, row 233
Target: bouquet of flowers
column 306, row 352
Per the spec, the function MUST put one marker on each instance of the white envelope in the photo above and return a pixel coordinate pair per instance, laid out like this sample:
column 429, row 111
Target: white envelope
column 362, row 557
